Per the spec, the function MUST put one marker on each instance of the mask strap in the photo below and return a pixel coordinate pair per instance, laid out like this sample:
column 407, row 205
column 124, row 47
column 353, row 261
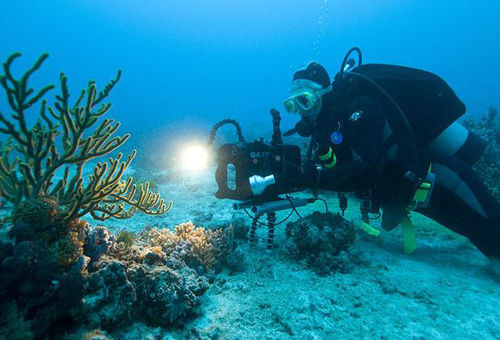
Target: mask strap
column 326, row 90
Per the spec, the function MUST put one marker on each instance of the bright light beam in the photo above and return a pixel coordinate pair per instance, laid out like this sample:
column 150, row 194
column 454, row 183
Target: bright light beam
column 195, row 158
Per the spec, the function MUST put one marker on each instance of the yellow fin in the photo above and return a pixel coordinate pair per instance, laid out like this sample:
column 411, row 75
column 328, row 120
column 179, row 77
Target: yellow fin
column 369, row 229
column 409, row 236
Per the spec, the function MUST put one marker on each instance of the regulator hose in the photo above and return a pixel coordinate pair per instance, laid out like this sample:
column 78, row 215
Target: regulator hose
column 346, row 60
column 411, row 137
column 218, row 125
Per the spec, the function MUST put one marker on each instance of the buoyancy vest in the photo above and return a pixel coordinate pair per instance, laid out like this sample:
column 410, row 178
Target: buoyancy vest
column 428, row 102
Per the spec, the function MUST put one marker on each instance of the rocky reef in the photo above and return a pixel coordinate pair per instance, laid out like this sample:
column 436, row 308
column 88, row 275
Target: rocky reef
column 160, row 293
column 323, row 241
column 156, row 277
column 488, row 166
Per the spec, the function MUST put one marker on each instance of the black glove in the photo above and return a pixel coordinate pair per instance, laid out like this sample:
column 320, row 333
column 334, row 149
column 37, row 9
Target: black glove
column 295, row 177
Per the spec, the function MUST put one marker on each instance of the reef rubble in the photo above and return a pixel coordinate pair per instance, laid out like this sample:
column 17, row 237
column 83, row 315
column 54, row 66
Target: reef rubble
column 487, row 126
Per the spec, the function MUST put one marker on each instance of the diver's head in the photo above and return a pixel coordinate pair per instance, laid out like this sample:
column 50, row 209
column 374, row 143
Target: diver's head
column 308, row 86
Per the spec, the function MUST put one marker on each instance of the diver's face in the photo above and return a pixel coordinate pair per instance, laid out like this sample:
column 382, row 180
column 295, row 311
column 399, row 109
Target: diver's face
column 306, row 101
column 311, row 113
column 305, row 98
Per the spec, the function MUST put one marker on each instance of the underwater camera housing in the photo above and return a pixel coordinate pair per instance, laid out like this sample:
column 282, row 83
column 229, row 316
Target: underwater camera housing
column 256, row 170
column 257, row 173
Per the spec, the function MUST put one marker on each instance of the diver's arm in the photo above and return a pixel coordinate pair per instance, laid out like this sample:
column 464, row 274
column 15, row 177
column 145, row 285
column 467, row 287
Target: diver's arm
column 348, row 177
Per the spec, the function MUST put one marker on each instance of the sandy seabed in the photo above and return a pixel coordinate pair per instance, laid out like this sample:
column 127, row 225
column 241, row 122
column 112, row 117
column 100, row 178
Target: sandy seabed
column 440, row 291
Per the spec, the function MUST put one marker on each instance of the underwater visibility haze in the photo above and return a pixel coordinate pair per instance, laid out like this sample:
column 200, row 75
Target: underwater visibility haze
column 249, row 170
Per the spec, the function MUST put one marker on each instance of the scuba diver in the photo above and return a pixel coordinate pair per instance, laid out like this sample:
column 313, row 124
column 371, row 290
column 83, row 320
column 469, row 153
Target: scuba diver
column 390, row 133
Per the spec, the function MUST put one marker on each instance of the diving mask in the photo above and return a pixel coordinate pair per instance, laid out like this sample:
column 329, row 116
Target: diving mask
column 306, row 95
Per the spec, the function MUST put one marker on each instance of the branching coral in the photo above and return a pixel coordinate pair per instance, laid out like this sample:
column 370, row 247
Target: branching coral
column 187, row 242
column 200, row 248
column 60, row 272
column 67, row 136
column 41, row 173
column 123, row 248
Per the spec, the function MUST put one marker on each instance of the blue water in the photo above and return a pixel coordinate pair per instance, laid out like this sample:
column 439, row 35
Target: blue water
column 187, row 64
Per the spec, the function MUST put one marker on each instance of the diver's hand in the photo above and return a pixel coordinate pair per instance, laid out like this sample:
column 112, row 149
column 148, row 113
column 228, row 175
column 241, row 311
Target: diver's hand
column 295, row 177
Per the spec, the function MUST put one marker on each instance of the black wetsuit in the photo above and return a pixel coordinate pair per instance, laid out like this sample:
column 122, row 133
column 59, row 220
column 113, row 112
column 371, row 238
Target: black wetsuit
column 376, row 153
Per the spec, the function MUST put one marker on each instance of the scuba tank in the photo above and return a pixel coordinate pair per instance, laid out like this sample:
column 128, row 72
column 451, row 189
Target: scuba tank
column 431, row 125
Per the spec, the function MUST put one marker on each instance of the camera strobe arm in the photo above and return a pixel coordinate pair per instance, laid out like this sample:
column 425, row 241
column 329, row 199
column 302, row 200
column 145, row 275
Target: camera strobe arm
column 259, row 208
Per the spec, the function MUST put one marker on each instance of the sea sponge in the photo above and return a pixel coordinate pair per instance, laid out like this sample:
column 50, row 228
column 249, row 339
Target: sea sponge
column 323, row 240
column 157, row 291
column 36, row 219
column 236, row 261
column 96, row 334
column 240, row 227
column 41, row 220
column 98, row 241
column 165, row 295
column 68, row 248
column 110, row 296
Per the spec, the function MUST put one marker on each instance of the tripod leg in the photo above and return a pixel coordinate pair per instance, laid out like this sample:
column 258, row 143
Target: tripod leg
column 251, row 233
column 271, row 220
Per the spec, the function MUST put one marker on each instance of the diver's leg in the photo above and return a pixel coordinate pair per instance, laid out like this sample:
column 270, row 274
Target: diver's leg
column 462, row 203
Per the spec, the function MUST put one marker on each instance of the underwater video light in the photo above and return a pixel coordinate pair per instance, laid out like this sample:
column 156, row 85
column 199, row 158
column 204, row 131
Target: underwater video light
column 195, row 157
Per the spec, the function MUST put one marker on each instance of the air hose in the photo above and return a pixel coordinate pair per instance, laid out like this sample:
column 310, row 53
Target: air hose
column 218, row 125
column 350, row 61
